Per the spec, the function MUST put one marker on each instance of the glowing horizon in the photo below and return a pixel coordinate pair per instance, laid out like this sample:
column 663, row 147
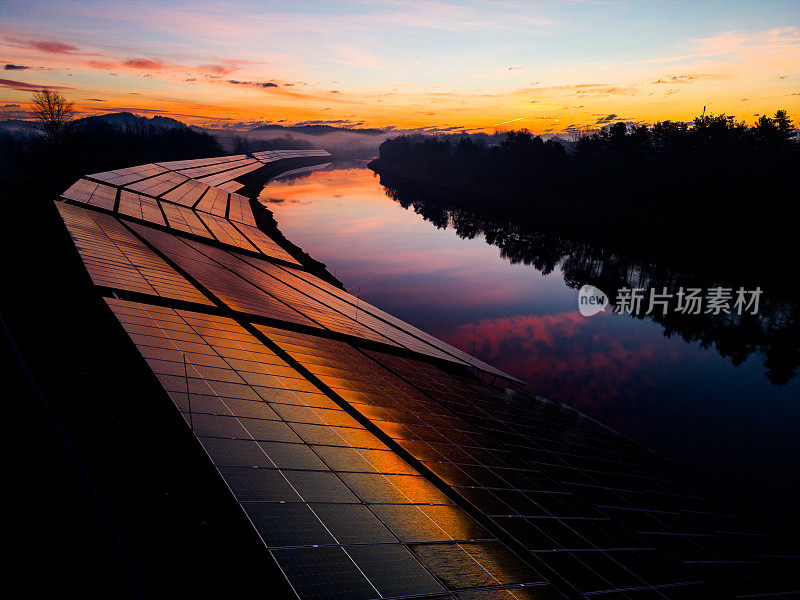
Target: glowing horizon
column 485, row 65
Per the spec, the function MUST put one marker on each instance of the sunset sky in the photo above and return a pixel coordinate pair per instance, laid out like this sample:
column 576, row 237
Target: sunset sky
column 546, row 66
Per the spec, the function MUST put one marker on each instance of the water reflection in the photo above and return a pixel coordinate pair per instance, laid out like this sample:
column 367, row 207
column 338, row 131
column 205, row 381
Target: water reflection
column 773, row 332
column 698, row 388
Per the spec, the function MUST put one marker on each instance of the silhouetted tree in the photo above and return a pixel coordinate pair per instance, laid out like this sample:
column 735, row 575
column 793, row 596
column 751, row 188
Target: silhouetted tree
column 52, row 110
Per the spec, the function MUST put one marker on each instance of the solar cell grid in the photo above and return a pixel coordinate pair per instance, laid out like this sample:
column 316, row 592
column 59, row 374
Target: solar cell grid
column 184, row 219
column 129, row 175
column 155, row 186
column 177, row 165
column 89, row 192
column 240, row 210
column 116, row 258
column 225, row 232
column 233, row 290
column 303, row 304
column 299, row 496
column 187, row 194
column 215, row 201
column 265, row 244
column 226, row 176
column 140, row 207
column 481, row 470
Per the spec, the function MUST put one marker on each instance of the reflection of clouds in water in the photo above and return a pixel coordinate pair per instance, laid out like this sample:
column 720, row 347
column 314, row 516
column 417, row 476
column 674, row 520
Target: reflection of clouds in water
column 588, row 363
column 773, row 332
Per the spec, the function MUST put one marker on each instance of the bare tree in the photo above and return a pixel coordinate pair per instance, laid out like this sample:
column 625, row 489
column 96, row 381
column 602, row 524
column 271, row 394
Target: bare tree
column 52, row 110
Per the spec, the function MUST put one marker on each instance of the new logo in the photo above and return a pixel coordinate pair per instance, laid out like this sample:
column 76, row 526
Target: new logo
column 591, row 300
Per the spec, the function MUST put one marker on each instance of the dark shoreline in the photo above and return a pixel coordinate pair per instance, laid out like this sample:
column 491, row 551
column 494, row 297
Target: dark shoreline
column 733, row 246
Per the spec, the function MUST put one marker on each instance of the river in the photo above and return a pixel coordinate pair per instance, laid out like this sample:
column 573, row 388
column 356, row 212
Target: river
column 718, row 398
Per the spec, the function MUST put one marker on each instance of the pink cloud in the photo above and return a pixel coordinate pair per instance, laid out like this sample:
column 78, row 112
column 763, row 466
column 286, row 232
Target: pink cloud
column 21, row 86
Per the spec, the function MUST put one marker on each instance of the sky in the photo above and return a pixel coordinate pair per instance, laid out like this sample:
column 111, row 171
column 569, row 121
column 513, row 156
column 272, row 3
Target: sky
column 550, row 67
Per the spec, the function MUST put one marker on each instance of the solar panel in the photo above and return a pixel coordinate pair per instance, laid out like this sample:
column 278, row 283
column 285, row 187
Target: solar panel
column 140, row 207
column 236, row 292
column 399, row 332
column 115, row 258
column 177, row 165
column 211, row 169
column 225, row 232
column 89, row 192
column 214, row 201
column 230, row 186
column 129, row 175
column 240, row 210
column 155, row 186
column 226, row 176
column 184, row 219
column 265, row 244
column 320, row 522
column 188, row 193
column 323, row 314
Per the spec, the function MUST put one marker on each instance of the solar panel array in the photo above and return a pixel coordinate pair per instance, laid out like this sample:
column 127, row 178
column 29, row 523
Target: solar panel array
column 190, row 196
column 366, row 454
column 341, row 514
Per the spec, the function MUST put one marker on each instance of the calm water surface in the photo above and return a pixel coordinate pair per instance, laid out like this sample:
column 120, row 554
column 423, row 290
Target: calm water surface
column 731, row 432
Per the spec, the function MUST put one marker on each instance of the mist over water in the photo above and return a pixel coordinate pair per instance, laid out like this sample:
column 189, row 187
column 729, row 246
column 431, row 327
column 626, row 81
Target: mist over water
column 720, row 399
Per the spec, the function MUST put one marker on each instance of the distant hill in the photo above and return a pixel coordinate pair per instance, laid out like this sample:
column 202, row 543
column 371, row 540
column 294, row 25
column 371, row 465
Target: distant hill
column 318, row 129
column 128, row 119
column 17, row 125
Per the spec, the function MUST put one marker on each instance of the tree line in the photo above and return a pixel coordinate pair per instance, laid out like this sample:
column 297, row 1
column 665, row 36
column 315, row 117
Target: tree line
column 712, row 153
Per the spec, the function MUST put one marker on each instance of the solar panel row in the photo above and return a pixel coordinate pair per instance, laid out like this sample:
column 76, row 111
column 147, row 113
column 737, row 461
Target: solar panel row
column 175, row 210
column 221, row 178
column 426, row 343
column 205, row 170
column 177, row 165
column 129, row 175
column 342, row 515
